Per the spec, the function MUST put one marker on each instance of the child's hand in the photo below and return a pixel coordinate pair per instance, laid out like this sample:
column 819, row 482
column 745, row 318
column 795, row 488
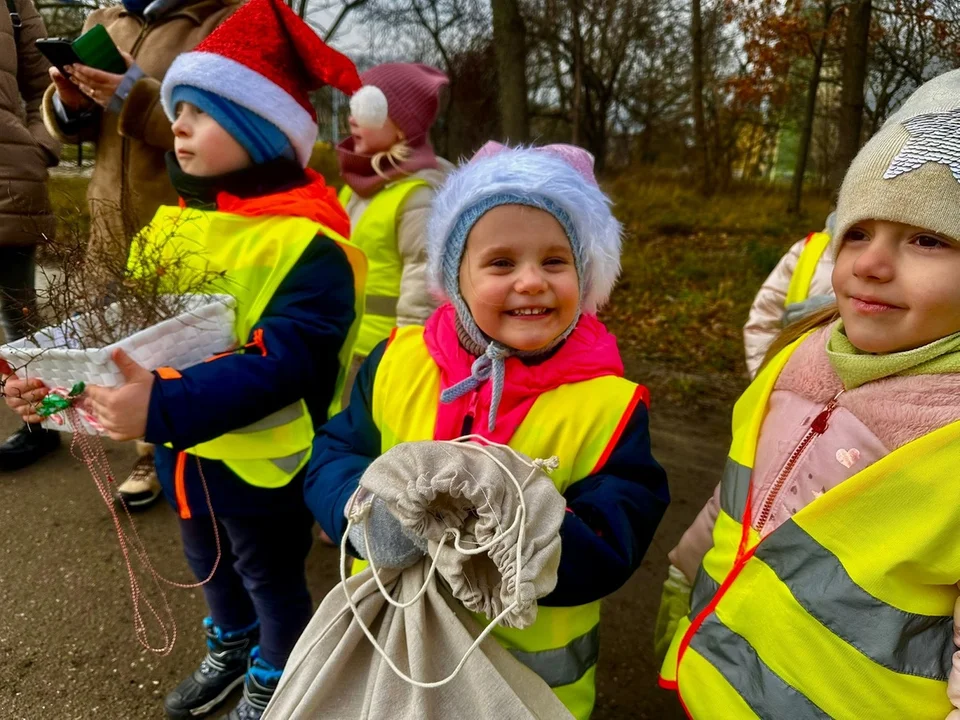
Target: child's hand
column 23, row 396
column 122, row 410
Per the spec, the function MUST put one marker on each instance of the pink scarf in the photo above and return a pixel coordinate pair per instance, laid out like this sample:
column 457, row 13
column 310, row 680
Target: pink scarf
column 357, row 170
column 590, row 352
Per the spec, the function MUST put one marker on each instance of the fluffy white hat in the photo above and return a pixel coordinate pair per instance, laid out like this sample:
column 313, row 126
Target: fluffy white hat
column 555, row 178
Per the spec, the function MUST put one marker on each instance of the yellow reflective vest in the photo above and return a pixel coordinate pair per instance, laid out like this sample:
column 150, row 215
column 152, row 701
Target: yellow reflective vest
column 813, row 250
column 376, row 234
column 579, row 423
column 845, row 610
column 248, row 258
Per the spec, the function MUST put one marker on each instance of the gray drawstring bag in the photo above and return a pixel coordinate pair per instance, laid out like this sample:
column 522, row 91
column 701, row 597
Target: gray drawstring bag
column 402, row 644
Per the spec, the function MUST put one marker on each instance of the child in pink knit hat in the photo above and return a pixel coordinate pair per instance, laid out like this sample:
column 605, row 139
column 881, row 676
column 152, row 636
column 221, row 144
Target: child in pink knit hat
column 391, row 174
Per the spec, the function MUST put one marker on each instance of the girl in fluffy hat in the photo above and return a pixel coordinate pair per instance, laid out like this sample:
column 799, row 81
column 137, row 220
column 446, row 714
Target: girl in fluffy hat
column 825, row 567
column 524, row 250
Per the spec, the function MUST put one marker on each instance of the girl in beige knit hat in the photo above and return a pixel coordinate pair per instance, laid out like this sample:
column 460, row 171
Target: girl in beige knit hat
column 825, row 567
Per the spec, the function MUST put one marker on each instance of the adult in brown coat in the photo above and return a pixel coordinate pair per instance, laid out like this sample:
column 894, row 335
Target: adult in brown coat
column 26, row 151
column 123, row 115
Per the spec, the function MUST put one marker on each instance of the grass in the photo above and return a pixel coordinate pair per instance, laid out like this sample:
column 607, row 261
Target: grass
column 691, row 267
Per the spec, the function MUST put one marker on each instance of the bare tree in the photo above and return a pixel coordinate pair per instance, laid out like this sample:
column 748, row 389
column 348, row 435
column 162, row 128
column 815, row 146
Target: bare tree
column 696, row 98
column 818, row 46
column 853, row 78
column 510, row 44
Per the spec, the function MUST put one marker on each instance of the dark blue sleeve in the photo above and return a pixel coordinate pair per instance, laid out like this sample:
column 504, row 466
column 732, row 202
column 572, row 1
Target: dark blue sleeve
column 342, row 451
column 611, row 518
column 304, row 326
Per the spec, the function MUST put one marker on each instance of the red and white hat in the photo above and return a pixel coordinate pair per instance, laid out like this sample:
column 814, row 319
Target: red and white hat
column 267, row 60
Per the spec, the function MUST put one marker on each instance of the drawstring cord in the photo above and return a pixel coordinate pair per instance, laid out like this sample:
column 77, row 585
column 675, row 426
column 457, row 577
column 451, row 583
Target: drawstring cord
column 359, row 508
column 491, row 364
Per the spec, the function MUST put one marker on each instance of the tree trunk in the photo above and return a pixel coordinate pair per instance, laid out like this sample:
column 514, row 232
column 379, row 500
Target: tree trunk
column 696, row 84
column 509, row 39
column 853, row 75
column 806, row 130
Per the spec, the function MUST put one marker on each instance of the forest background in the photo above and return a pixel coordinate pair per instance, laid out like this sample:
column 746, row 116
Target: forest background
column 721, row 128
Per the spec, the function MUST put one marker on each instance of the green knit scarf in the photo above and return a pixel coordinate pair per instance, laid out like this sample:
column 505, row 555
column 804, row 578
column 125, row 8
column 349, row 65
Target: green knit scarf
column 857, row 368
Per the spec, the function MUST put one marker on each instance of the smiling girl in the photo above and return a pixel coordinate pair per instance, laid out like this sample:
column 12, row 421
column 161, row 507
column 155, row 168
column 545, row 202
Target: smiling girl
column 827, row 588
column 523, row 247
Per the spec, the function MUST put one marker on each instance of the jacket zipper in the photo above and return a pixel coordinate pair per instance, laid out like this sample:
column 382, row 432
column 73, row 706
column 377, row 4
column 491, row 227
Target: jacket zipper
column 469, row 418
column 817, row 428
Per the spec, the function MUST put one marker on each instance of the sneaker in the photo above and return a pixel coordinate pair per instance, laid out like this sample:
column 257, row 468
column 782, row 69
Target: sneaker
column 26, row 446
column 219, row 673
column 258, row 688
column 141, row 488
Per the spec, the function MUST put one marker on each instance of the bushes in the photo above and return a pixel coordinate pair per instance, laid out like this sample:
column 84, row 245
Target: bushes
column 691, row 268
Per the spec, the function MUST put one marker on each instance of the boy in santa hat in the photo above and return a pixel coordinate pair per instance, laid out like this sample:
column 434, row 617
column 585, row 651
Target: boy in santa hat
column 240, row 426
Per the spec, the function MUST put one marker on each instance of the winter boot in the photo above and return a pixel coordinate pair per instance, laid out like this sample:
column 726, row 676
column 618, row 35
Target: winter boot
column 26, row 446
column 219, row 673
column 258, row 687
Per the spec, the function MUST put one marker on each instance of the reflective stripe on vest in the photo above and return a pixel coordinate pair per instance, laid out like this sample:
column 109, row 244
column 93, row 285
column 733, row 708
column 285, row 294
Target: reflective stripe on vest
column 844, row 611
column 376, row 234
column 802, row 278
column 249, row 257
column 575, row 422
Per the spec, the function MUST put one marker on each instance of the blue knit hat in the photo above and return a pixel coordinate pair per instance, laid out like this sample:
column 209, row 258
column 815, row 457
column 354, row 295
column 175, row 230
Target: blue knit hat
column 557, row 179
column 263, row 140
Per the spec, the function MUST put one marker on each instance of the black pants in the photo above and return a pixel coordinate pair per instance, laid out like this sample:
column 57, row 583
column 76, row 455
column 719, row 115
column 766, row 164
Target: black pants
column 260, row 577
column 18, row 297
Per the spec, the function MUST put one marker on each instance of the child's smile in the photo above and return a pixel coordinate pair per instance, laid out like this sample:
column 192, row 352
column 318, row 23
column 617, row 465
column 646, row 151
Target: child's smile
column 896, row 286
column 519, row 278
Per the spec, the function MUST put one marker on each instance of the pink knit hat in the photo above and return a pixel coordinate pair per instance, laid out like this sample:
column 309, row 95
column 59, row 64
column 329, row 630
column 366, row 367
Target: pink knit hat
column 407, row 93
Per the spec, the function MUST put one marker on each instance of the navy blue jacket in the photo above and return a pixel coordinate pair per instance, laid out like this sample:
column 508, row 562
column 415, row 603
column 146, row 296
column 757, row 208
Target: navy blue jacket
column 612, row 515
column 304, row 327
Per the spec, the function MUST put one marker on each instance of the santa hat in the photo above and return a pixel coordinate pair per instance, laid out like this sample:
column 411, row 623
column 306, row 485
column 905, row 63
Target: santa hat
column 407, row 93
column 267, row 60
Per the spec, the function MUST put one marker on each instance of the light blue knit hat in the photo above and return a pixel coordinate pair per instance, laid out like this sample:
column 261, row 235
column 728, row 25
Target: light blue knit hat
column 557, row 179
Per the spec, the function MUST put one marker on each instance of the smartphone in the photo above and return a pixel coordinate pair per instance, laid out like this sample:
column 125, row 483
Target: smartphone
column 97, row 49
column 59, row 52
column 94, row 48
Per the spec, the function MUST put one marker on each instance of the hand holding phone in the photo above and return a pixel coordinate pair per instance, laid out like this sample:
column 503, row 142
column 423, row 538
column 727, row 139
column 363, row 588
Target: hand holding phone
column 92, row 63
column 70, row 95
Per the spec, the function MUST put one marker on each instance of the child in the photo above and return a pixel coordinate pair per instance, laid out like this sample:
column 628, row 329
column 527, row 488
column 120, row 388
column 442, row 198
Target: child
column 523, row 247
column 798, row 286
column 391, row 174
column 829, row 584
column 243, row 423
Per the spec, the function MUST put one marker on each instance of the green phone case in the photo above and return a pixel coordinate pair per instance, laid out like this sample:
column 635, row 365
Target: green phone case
column 96, row 49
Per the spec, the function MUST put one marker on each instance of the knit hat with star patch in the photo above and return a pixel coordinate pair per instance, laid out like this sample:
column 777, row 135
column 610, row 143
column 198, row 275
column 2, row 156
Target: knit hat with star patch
column 909, row 172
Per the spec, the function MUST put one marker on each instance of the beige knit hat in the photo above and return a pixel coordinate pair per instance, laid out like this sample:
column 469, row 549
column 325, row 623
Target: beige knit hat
column 909, row 172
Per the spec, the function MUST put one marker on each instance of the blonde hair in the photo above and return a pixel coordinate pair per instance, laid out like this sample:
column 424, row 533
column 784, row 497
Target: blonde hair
column 793, row 332
column 398, row 154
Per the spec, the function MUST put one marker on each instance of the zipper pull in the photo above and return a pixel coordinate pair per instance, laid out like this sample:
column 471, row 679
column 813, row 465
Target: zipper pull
column 820, row 422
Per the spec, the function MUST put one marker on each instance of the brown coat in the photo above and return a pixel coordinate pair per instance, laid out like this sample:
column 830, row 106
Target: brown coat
column 26, row 148
column 130, row 171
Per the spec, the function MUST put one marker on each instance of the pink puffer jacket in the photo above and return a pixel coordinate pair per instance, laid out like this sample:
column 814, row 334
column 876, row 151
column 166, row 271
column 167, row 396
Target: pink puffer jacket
column 853, row 430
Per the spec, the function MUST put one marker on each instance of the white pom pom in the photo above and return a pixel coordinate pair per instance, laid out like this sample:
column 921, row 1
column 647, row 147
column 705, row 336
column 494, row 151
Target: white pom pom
column 369, row 107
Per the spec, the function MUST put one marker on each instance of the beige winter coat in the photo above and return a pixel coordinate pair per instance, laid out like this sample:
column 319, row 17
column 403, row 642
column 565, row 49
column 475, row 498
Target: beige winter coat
column 767, row 312
column 26, row 148
column 130, row 168
column 415, row 304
